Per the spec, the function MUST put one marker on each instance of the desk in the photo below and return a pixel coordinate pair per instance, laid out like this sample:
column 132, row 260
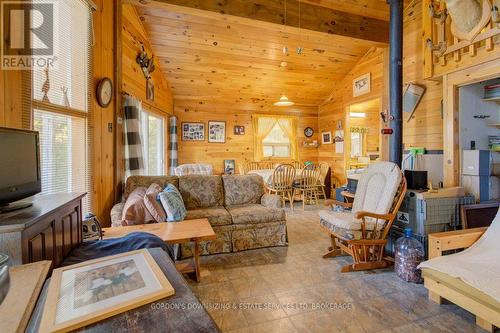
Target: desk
column 173, row 233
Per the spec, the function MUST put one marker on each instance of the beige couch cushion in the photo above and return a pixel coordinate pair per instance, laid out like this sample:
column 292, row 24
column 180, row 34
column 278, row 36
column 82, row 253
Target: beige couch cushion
column 201, row 191
column 242, row 189
column 255, row 213
column 146, row 181
column 215, row 215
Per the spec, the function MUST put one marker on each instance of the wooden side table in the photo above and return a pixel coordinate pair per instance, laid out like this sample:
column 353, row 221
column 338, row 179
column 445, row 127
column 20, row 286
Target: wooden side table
column 173, row 233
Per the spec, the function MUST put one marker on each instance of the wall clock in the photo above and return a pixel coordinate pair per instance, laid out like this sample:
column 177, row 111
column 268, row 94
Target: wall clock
column 105, row 92
column 308, row 132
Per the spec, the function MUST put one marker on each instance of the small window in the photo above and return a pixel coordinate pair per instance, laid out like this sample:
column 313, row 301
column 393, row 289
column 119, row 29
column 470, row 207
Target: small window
column 356, row 144
column 154, row 149
column 276, row 143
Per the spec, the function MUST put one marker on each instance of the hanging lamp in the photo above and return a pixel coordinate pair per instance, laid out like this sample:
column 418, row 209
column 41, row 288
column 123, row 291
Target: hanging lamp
column 284, row 101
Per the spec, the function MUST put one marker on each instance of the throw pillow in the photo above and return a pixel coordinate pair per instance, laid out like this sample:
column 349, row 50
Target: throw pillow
column 172, row 202
column 135, row 211
column 152, row 203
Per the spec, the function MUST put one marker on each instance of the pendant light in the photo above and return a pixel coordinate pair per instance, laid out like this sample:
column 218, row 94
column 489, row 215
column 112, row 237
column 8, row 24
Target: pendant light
column 284, row 101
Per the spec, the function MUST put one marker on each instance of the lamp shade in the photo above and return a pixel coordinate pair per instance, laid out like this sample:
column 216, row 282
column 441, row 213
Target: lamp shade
column 284, row 101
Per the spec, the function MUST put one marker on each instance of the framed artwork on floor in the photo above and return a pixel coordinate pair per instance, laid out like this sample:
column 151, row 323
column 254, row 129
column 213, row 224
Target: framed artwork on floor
column 193, row 131
column 326, row 138
column 229, row 167
column 217, row 131
column 93, row 290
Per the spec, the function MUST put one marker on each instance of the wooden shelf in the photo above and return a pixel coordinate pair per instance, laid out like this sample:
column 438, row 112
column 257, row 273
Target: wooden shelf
column 497, row 125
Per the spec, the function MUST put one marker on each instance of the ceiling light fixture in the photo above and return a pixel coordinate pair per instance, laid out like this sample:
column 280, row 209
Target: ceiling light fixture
column 357, row 114
column 284, row 101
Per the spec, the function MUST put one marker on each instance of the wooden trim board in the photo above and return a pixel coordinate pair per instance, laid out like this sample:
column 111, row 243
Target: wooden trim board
column 26, row 282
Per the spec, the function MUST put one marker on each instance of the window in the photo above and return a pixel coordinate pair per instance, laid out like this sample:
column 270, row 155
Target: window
column 356, row 144
column 60, row 99
column 276, row 143
column 154, row 148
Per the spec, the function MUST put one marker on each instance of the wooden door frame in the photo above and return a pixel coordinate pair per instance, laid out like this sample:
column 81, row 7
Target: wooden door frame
column 451, row 136
column 383, row 143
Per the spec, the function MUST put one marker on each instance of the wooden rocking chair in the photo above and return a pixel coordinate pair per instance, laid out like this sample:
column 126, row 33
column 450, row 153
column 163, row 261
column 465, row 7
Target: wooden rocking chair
column 362, row 232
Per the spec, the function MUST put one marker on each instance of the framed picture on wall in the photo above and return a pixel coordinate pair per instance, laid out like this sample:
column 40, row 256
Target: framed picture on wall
column 217, row 131
column 193, row 132
column 239, row 130
column 229, row 167
column 361, row 85
column 326, row 138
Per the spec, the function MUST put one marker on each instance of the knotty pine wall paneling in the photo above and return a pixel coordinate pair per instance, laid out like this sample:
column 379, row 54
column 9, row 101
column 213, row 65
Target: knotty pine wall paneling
column 337, row 106
column 426, row 128
column 103, row 158
column 237, row 147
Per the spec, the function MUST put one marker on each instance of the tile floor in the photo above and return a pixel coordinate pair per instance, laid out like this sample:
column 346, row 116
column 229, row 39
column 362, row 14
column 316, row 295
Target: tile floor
column 244, row 290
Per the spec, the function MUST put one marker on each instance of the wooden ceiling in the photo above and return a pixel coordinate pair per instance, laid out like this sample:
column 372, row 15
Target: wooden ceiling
column 209, row 56
column 376, row 9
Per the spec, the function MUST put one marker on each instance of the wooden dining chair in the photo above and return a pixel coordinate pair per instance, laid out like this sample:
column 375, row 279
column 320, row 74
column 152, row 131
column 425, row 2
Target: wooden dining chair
column 306, row 187
column 297, row 164
column 282, row 183
column 324, row 167
column 265, row 165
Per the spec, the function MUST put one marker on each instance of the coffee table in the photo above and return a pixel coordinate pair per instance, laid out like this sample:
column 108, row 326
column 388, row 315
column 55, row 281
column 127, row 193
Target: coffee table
column 173, row 233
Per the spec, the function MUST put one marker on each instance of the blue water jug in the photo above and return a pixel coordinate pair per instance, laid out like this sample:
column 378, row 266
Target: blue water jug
column 408, row 255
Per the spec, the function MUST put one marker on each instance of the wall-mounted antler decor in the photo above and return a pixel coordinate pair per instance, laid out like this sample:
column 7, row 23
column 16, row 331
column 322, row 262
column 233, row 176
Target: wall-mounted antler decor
column 147, row 67
column 146, row 63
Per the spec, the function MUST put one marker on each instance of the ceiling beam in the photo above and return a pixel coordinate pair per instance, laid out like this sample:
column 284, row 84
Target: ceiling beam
column 314, row 18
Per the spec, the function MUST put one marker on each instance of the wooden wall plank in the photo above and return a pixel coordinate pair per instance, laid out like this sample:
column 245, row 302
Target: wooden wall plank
column 237, row 147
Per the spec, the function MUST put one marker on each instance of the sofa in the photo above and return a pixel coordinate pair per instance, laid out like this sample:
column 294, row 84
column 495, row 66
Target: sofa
column 242, row 215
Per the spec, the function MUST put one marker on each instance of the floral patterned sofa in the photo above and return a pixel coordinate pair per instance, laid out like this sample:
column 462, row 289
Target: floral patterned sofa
column 242, row 215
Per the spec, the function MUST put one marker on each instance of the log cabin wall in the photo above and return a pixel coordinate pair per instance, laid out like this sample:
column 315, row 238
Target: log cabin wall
column 133, row 82
column 131, row 38
column 336, row 107
column 426, row 128
column 237, row 147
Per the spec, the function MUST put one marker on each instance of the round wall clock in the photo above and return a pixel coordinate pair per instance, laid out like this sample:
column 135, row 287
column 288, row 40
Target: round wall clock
column 105, row 92
column 308, row 132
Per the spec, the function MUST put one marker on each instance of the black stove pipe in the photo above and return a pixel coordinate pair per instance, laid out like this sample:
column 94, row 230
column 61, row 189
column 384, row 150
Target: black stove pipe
column 396, row 80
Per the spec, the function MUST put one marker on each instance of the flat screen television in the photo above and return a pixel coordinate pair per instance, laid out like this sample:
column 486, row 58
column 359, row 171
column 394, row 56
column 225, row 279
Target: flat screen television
column 19, row 167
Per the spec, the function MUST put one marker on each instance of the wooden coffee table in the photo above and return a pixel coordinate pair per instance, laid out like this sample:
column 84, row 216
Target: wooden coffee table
column 173, row 233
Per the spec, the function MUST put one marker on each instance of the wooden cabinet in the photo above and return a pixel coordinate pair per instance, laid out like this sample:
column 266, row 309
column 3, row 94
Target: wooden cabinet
column 48, row 230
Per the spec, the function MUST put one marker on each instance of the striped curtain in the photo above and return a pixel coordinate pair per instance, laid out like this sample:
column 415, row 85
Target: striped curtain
column 134, row 159
column 172, row 145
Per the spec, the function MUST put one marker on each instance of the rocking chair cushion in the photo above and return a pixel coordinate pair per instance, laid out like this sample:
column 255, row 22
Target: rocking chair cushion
column 345, row 225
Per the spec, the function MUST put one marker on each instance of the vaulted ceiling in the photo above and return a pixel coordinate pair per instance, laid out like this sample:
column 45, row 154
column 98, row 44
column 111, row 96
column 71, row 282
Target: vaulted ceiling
column 208, row 56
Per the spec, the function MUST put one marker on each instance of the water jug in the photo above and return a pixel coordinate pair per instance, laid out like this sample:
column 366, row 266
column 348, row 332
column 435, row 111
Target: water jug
column 408, row 255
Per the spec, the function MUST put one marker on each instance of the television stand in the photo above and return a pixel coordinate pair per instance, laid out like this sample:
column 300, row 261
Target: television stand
column 14, row 206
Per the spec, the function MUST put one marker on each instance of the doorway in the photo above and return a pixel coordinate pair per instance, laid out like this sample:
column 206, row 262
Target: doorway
column 362, row 135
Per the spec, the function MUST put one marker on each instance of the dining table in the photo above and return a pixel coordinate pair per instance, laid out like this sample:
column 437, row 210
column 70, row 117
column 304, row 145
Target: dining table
column 267, row 174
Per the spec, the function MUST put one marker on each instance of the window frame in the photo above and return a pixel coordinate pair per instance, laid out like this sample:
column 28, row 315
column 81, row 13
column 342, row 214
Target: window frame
column 274, row 145
column 145, row 113
column 31, row 105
